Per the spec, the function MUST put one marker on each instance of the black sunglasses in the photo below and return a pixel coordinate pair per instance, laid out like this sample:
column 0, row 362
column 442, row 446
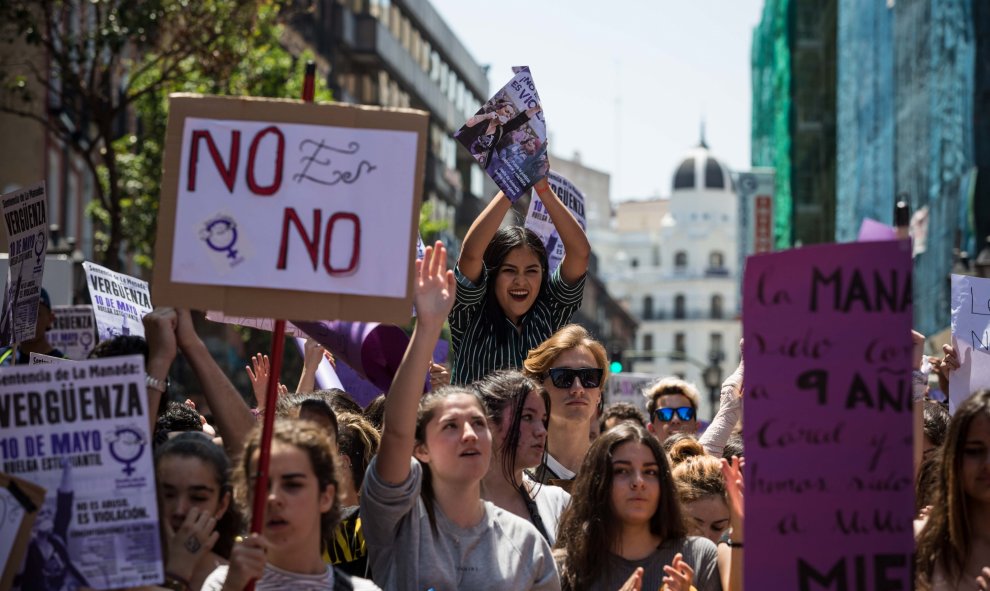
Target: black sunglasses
column 665, row 415
column 563, row 377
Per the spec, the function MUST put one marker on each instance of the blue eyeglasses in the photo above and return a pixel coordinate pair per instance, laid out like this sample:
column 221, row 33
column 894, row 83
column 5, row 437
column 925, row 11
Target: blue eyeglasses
column 665, row 415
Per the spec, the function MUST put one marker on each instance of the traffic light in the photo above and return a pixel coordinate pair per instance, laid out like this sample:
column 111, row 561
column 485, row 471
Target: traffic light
column 615, row 355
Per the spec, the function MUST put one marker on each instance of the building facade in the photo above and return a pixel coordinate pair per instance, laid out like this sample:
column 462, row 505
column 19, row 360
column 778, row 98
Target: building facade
column 674, row 264
column 914, row 124
column 793, row 129
column 401, row 53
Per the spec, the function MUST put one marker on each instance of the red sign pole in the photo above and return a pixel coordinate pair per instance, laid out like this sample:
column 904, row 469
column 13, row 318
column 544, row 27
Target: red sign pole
column 278, row 345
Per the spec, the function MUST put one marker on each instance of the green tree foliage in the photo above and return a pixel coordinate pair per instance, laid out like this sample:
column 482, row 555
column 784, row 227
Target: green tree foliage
column 112, row 64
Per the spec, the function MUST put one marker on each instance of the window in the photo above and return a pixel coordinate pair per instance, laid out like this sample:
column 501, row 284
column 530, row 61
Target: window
column 715, row 344
column 680, row 344
column 680, row 260
column 648, row 347
column 716, row 260
column 679, row 311
column 634, row 263
column 656, row 256
column 648, row 308
column 716, row 306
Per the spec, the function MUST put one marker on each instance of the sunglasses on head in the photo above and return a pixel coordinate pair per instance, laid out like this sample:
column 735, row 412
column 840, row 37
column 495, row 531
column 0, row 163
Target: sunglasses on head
column 563, row 377
column 665, row 415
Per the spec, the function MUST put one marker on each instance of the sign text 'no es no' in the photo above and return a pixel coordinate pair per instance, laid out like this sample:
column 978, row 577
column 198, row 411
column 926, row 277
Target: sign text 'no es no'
column 281, row 208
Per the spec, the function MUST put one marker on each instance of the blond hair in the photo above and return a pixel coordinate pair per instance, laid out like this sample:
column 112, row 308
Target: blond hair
column 571, row 336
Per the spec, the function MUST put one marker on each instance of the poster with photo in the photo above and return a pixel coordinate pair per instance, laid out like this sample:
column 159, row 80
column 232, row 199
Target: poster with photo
column 119, row 301
column 508, row 136
column 91, row 451
column 73, row 331
column 25, row 215
column 538, row 220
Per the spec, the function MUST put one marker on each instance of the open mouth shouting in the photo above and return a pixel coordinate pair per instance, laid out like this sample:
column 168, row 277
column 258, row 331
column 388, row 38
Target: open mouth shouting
column 519, row 295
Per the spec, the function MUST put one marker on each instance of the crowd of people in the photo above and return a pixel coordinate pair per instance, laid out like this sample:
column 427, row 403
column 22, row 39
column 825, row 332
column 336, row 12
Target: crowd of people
column 510, row 472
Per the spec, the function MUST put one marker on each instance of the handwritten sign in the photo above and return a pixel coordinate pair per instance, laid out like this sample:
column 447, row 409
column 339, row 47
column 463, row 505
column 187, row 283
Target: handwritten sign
column 538, row 220
column 73, row 331
column 26, row 218
column 269, row 206
column 828, row 415
column 970, row 337
column 119, row 301
column 90, row 448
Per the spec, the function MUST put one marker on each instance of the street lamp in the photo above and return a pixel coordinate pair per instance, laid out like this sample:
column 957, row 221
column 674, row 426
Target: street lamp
column 712, row 376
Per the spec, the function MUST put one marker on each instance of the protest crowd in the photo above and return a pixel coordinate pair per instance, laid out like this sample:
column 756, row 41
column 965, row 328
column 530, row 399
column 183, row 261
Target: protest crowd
column 501, row 469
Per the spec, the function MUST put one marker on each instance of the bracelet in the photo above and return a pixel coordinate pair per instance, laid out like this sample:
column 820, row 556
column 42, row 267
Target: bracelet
column 734, row 544
column 156, row 384
column 175, row 582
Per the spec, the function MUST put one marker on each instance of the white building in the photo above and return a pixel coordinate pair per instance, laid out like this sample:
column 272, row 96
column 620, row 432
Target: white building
column 674, row 263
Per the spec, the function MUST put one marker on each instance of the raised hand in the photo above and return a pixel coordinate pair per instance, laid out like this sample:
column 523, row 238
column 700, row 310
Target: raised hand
column 734, row 487
column 983, row 581
column 679, row 575
column 439, row 376
column 259, row 376
column 433, row 286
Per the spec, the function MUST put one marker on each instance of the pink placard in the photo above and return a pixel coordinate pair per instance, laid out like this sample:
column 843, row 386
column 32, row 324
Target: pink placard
column 828, row 418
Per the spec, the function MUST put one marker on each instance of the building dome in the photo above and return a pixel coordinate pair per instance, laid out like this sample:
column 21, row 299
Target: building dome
column 699, row 171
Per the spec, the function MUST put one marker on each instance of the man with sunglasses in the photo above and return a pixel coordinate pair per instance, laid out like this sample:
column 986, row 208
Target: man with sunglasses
column 673, row 407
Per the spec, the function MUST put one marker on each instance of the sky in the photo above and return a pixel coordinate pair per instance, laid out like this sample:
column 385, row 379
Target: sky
column 625, row 83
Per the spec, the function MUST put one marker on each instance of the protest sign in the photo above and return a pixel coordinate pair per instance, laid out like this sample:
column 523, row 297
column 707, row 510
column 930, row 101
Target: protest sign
column 628, row 387
column 73, row 331
column 19, row 504
column 277, row 205
column 508, row 136
column 26, row 218
column 90, row 448
column 119, row 301
column 970, row 337
column 828, row 415
column 538, row 220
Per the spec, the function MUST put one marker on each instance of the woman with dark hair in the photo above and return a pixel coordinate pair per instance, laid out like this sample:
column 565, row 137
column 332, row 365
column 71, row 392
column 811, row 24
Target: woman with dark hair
column 573, row 368
column 625, row 525
column 301, row 512
column 199, row 518
column 508, row 301
column 953, row 547
column 424, row 520
column 517, row 410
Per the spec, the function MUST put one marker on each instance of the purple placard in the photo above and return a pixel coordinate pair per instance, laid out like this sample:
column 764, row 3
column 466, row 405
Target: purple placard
column 828, row 415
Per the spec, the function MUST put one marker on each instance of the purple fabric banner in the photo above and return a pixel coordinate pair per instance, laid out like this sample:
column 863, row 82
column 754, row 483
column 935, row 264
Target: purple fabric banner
column 828, row 418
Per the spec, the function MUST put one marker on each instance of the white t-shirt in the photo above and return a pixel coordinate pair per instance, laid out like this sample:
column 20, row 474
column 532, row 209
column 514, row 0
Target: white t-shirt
column 276, row 579
column 550, row 502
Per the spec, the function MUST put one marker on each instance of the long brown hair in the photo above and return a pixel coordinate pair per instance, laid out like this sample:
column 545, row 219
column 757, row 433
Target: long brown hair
column 504, row 393
column 588, row 529
column 946, row 539
column 315, row 443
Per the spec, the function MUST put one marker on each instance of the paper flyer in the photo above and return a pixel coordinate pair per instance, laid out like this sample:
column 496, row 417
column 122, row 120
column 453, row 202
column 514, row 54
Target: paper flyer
column 119, row 301
column 538, row 220
column 73, row 331
column 508, row 136
column 90, row 449
column 25, row 214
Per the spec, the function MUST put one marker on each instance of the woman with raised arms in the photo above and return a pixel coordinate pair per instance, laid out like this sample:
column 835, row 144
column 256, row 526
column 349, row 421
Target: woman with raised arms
column 425, row 522
column 508, row 301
